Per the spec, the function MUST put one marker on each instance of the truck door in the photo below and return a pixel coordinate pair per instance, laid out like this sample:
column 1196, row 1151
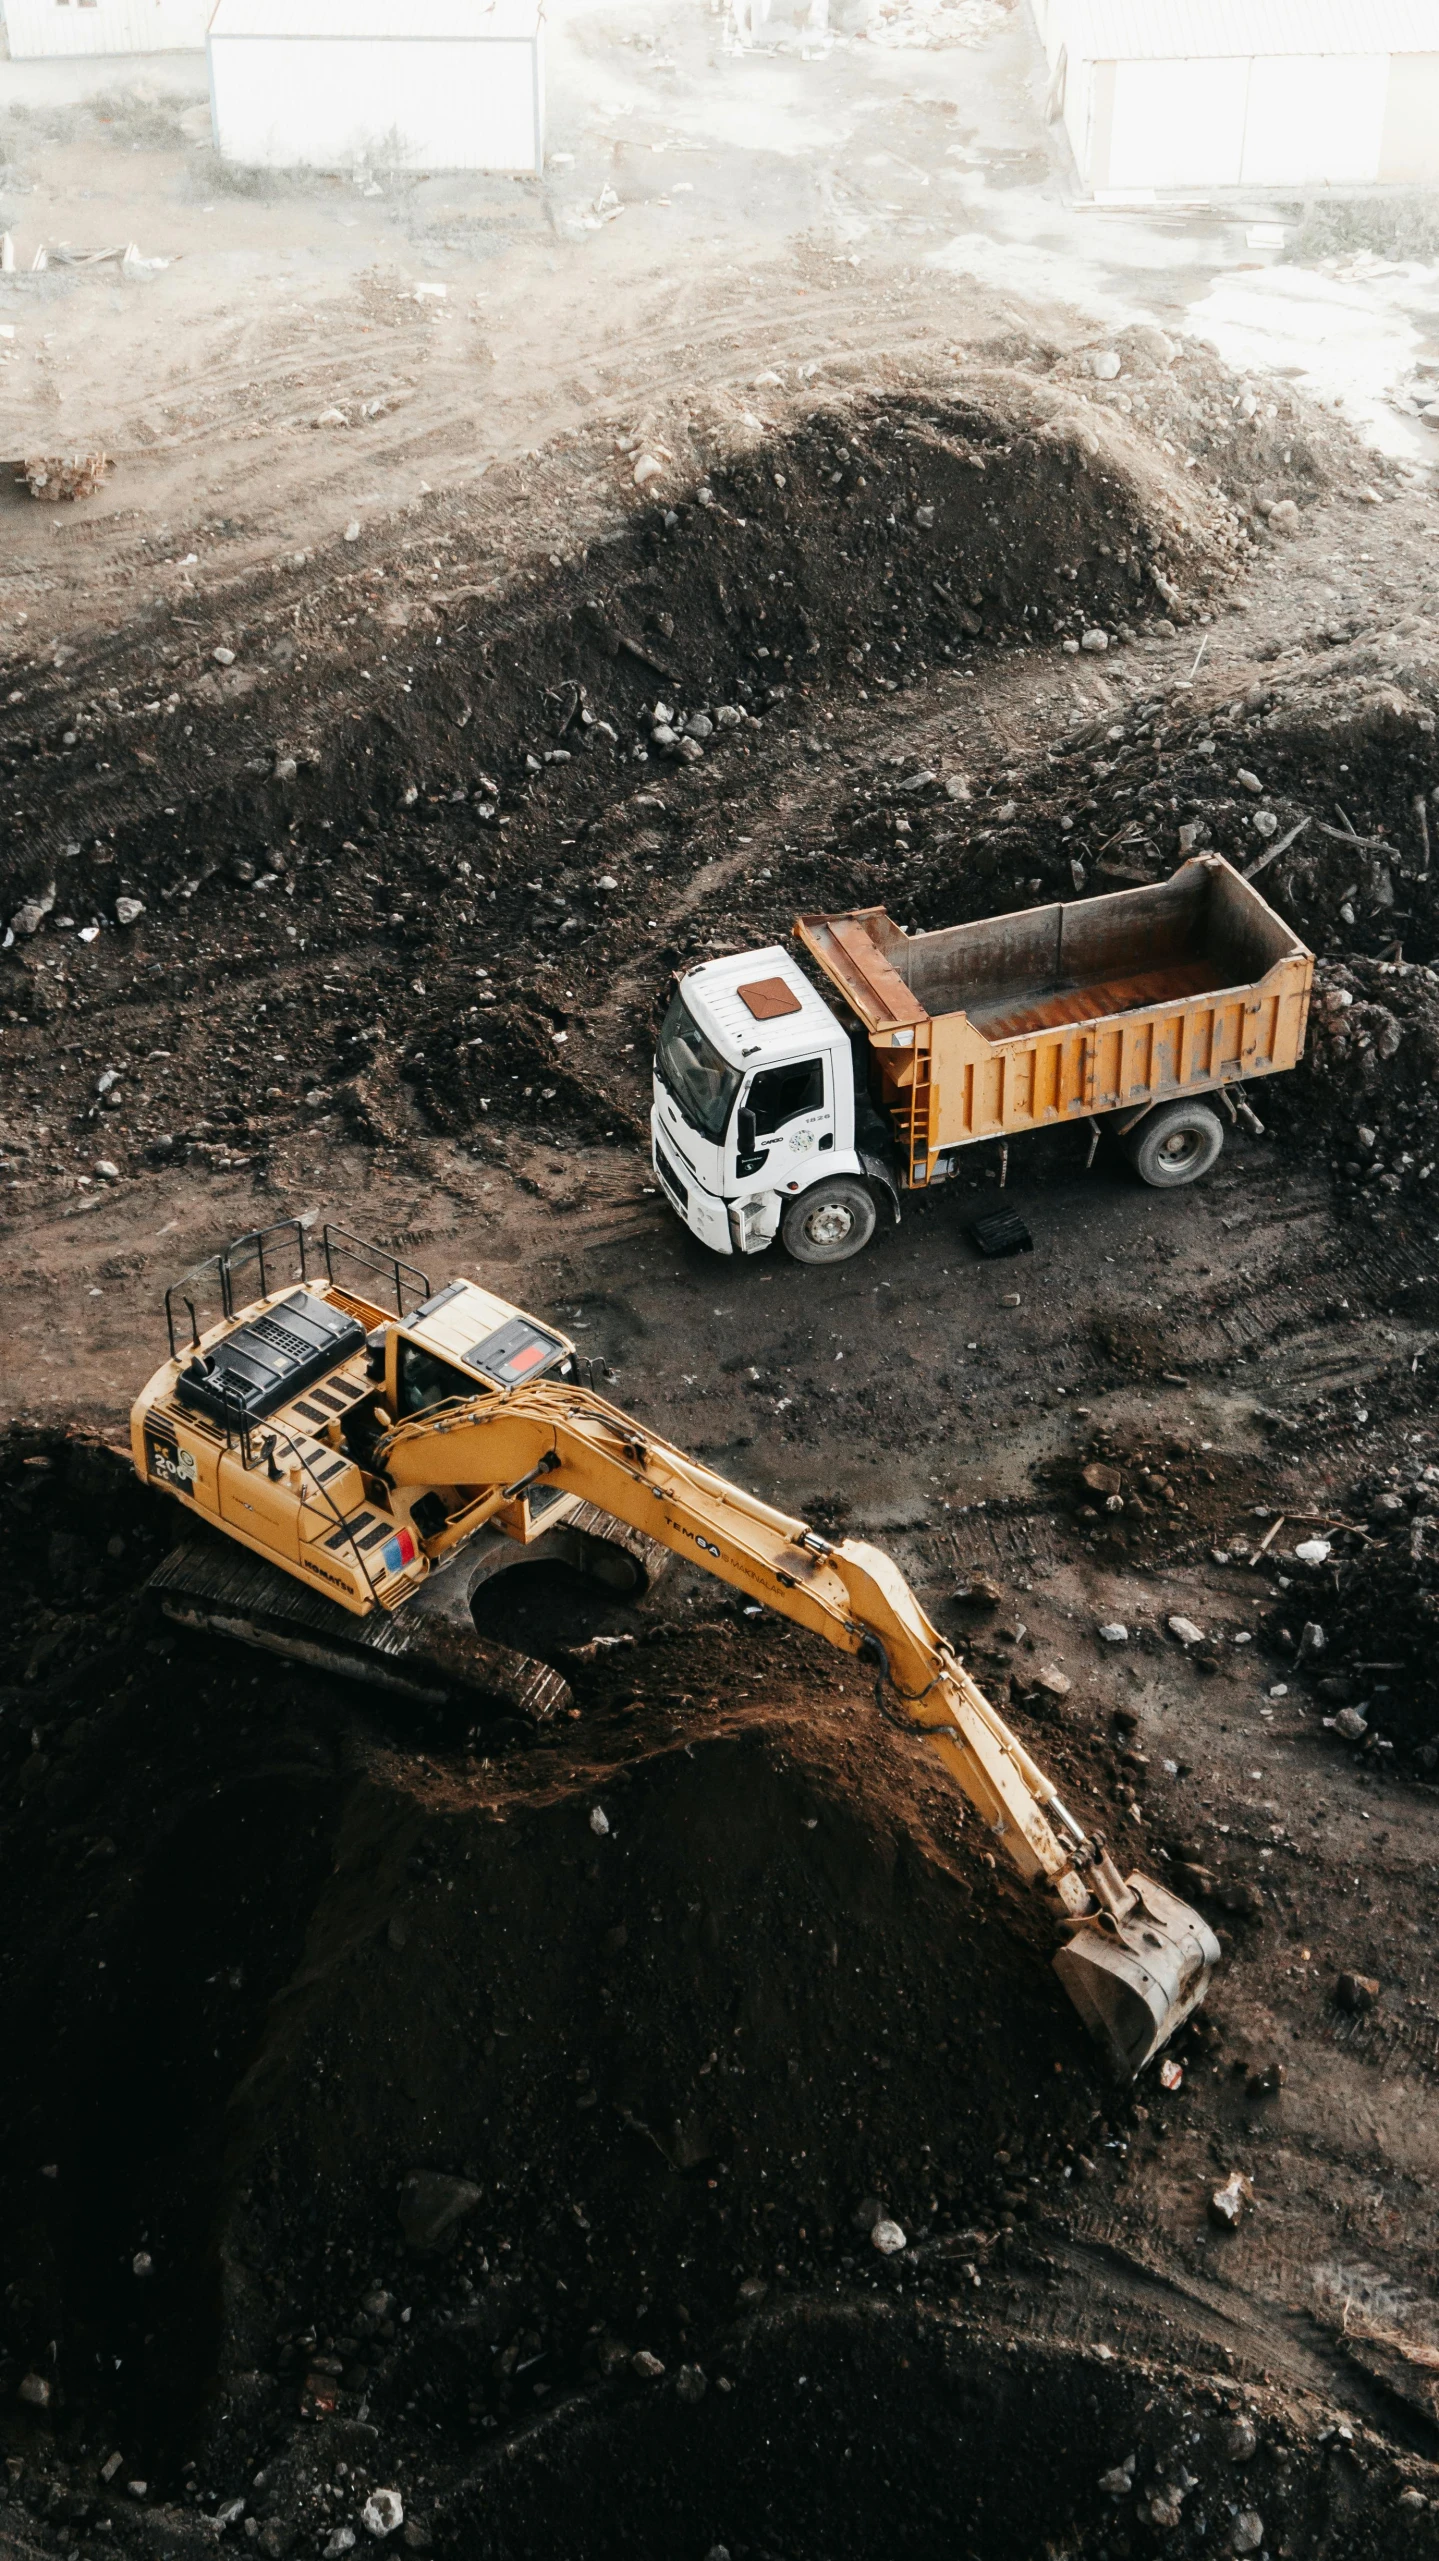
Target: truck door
column 792, row 1111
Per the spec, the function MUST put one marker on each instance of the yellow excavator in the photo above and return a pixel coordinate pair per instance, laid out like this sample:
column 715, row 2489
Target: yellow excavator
column 366, row 1471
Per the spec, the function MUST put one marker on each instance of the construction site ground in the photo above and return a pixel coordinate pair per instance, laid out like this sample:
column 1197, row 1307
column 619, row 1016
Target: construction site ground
column 382, row 903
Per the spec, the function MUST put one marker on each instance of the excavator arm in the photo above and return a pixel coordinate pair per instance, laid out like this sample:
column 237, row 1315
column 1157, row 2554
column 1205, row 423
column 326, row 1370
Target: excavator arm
column 1136, row 1960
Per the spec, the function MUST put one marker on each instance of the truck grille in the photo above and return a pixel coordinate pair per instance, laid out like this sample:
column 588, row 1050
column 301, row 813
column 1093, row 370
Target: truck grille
column 669, row 1177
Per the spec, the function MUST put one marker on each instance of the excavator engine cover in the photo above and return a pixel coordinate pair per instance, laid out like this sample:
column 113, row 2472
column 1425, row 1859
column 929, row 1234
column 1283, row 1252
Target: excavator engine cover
column 1135, row 1981
column 270, row 1359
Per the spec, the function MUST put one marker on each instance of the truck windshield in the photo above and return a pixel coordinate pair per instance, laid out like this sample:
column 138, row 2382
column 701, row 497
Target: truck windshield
column 694, row 1072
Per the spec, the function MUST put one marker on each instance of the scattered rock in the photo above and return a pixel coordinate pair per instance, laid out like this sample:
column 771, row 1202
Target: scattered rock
column 128, row 910
column 342, row 2540
column 383, row 2513
column 1104, row 364
column 1053, row 1682
column 223, row 657
column 982, row 1591
column 29, row 918
column 105, row 1170
column 1240, row 2439
column 1357, row 1992
column 691, row 2384
column 1247, row 2532
column 1186, row 1631
column 1100, row 1478
column 35, row 2391
column 599, row 1822
column 1227, row 2203
column 430, row 2203
column 1349, row 1725
column 1119, row 2480
column 1096, row 642
column 649, row 2368
column 1114, row 1633
column 648, row 468
column 888, row 2237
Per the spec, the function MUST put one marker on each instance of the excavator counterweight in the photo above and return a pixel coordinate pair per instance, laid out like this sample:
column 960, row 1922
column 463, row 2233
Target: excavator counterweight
column 367, row 1471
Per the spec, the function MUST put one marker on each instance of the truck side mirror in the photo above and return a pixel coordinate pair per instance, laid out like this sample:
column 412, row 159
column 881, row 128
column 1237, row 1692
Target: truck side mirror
column 747, row 1133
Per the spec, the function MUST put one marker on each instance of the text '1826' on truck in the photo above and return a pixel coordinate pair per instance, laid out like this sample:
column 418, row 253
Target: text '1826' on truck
column 774, row 1115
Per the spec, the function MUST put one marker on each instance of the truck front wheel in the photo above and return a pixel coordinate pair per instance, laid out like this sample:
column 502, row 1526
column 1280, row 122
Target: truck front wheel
column 1175, row 1145
column 830, row 1223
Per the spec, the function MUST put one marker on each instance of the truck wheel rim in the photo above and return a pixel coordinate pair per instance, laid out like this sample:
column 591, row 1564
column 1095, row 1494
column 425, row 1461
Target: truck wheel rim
column 829, row 1225
column 1181, row 1147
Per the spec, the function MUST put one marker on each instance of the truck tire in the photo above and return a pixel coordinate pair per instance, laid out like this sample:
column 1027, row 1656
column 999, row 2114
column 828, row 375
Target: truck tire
column 829, row 1223
column 1175, row 1145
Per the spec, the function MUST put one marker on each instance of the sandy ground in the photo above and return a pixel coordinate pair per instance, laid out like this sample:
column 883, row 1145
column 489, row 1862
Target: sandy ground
column 729, row 210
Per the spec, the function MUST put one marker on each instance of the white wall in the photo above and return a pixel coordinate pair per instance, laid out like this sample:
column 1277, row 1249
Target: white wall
column 1275, row 120
column 325, row 103
column 1176, row 124
column 38, row 29
column 1317, row 117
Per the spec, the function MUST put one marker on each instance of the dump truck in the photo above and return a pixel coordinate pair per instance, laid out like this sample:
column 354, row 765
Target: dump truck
column 774, row 1115
column 355, row 1471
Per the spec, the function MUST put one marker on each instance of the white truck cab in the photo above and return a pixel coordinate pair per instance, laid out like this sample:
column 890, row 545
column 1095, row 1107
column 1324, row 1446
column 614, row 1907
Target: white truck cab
column 755, row 1116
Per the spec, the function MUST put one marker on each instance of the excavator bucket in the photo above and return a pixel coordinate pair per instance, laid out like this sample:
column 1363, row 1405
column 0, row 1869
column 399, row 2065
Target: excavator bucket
column 1134, row 1981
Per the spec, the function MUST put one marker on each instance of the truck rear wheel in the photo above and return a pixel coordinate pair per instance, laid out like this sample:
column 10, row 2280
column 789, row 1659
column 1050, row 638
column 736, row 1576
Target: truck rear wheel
column 1175, row 1145
column 830, row 1223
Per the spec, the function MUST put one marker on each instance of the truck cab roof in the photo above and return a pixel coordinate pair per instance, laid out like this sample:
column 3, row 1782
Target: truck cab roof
column 756, row 1006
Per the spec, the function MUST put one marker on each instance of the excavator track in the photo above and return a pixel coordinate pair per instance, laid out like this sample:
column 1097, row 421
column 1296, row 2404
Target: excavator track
column 419, row 1654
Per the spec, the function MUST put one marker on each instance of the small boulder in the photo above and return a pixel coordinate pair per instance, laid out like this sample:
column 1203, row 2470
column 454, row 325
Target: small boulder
column 1356, row 1992
column 430, row 2203
column 1227, row 2203
column 383, row 2513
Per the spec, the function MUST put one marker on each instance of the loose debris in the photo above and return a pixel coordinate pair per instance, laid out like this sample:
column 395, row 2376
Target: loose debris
column 62, row 477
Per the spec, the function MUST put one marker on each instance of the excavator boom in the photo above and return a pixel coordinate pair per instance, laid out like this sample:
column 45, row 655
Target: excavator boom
column 1136, row 1959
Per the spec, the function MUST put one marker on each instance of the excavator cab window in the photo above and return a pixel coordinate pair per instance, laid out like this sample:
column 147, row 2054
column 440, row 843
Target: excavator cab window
column 424, row 1380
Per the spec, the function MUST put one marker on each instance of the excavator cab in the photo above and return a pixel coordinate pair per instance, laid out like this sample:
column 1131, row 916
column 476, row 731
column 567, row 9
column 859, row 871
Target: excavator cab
column 291, row 1358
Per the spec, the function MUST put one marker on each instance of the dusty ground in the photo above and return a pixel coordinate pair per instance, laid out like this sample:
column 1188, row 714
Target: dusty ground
column 268, row 1953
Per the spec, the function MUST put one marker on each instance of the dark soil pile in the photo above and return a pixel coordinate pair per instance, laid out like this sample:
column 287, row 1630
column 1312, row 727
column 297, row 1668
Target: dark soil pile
column 669, row 1995
column 1386, row 1621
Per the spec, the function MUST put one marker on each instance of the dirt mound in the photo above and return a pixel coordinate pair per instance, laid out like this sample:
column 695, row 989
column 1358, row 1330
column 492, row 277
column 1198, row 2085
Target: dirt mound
column 671, row 1995
column 775, row 1979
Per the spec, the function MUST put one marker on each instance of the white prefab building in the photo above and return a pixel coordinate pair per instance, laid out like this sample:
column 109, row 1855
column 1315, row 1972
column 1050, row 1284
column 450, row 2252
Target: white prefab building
column 38, row 29
column 1230, row 93
column 419, row 84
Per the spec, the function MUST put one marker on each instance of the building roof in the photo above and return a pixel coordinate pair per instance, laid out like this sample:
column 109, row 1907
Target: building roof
column 377, row 21
column 1166, row 30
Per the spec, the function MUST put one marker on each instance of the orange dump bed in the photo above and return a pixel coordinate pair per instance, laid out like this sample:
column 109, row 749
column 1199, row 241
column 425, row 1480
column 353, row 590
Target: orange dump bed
column 1104, row 1004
